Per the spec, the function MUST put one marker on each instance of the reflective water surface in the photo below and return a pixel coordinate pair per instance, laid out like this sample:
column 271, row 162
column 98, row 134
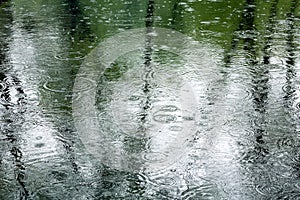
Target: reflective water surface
column 152, row 99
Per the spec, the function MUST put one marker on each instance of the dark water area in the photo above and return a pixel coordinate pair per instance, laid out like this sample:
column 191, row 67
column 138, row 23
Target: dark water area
column 157, row 99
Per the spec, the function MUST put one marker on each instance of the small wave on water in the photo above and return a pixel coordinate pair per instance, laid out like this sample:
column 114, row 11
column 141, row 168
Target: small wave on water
column 161, row 107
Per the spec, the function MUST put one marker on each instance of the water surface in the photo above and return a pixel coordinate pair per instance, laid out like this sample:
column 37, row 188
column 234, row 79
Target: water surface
column 149, row 99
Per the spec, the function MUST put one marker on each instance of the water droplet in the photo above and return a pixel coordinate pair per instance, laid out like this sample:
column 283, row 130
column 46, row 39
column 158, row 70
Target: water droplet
column 204, row 191
column 154, row 157
column 267, row 188
column 298, row 105
column 173, row 170
column 39, row 138
column 285, row 142
column 134, row 98
column 189, row 9
column 52, row 85
column 165, row 180
column 164, row 118
column 49, row 85
column 86, row 84
column 39, row 145
column 176, row 128
column 188, row 118
column 3, row 86
column 169, row 108
column 69, row 56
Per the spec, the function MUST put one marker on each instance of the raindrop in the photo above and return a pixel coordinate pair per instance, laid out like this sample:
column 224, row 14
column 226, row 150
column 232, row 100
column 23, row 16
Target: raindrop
column 169, row 108
column 154, row 157
column 297, row 185
column 86, row 84
column 3, row 86
column 166, row 181
column 267, row 188
column 204, row 191
column 70, row 56
column 189, row 9
column 39, row 145
column 298, row 106
column 33, row 96
column 248, row 34
column 285, row 142
column 5, row 102
column 288, row 89
column 173, row 170
column 176, row 128
column 49, row 86
column 148, row 75
column 39, row 138
column 134, row 98
column 164, row 118
column 188, row 118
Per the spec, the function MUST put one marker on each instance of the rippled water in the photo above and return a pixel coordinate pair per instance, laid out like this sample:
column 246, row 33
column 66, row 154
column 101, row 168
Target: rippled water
column 194, row 99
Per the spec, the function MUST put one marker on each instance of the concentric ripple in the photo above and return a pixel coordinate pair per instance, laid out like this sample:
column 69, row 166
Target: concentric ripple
column 156, row 103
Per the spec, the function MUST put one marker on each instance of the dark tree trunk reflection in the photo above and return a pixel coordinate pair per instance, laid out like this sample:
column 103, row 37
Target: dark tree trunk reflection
column 291, row 75
column 270, row 32
column 148, row 58
column 177, row 15
column 4, row 1
column 260, row 80
column 11, row 119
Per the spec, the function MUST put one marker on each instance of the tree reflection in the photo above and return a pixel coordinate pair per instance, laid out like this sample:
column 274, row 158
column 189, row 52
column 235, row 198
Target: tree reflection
column 259, row 78
column 4, row 1
column 11, row 102
column 270, row 32
column 290, row 87
column 148, row 59
column 260, row 155
column 291, row 55
column 177, row 15
column 77, row 24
